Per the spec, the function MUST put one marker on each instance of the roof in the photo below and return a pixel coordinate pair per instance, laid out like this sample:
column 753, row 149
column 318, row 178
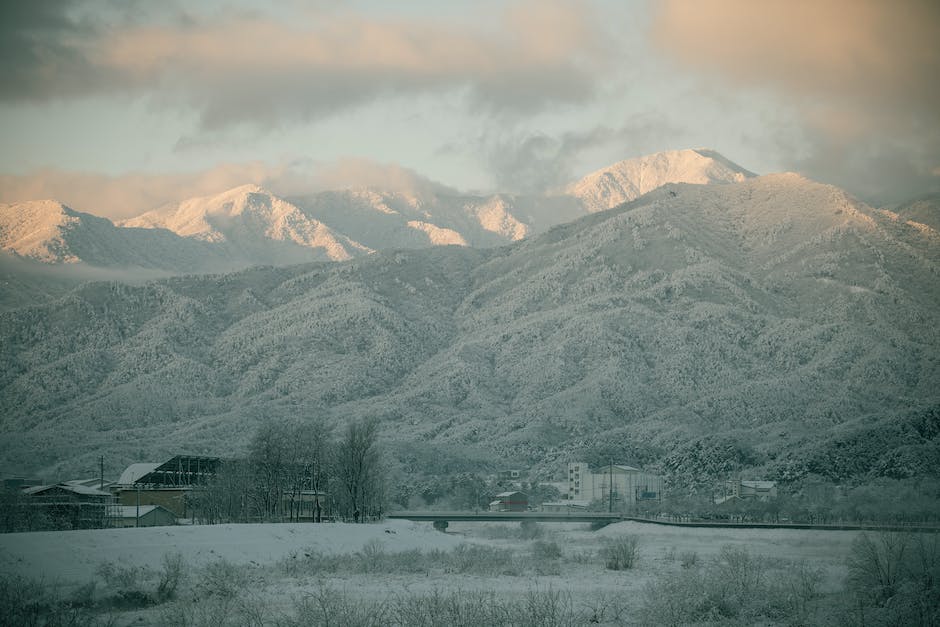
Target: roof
column 571, row 503
column 134, row 472
column 626, row 468
column 760, row 485
column 77, row 489
column 130, row 511
column 510, row 493
column 88, row 483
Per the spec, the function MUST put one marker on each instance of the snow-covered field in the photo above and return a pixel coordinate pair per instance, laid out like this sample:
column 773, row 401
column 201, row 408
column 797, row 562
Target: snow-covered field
column 274, row 567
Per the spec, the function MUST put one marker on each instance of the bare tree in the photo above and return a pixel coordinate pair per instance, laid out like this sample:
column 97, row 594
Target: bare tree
column 308, row 465
column 358, row 477
column 268, row 458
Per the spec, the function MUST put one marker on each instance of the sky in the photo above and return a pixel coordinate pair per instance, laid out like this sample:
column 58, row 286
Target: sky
column 118, row 107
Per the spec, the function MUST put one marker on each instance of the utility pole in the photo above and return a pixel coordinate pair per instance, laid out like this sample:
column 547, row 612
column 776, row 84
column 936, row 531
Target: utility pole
column 610, row 491
column 137, row 518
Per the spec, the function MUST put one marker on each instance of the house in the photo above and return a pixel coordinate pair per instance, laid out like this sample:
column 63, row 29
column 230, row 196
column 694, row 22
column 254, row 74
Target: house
column 168, row 484
column 67, row 506
column 143, row 516
column 744, row 489
column 615, row 484
column 510, row 502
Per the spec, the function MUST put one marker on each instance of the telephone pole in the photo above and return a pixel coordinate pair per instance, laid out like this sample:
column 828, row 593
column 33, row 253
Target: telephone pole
column 610, row 490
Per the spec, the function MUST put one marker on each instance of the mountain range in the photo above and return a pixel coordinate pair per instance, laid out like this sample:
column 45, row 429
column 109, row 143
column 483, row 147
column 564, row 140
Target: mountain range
column 249, row 225
column 769, row 324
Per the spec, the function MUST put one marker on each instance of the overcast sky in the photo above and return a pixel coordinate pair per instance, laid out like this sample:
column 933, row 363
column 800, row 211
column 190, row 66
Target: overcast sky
column 118, row 107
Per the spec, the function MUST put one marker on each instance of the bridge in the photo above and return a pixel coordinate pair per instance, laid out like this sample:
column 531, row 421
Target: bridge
column 608, row 517
column 487, row 516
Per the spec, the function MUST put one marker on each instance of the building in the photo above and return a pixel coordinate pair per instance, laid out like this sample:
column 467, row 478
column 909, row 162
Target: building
column 744, row 489
column 510, row 502
column 66, row 506
column 143, row 516
column 616, row 484
column 168, row 484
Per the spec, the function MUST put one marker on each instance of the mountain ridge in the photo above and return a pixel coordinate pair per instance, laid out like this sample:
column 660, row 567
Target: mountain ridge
column 775, row 325
column 248, row 225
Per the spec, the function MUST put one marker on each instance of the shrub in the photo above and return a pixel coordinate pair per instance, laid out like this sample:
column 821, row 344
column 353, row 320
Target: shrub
column 221, row 579
column 479, row 559
column 689, row 559
column 530, row 530
column 169, row 576
column 130, row 585
column 622, row 553
column 25, row 601
column 735, row 587
column 327, row 606
column 895, row 578
column 545, row 550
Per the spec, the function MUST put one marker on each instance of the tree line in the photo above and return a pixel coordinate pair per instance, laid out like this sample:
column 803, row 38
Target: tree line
column 298, row 471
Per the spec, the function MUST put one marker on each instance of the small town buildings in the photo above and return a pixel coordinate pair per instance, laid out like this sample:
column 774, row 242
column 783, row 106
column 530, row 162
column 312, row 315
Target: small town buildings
column 143, row 516
column 510, row 502
column 617, row 485
column 65, row 506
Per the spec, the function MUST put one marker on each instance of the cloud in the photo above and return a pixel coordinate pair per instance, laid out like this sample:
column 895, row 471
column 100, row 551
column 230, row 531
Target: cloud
column 861, row 75
column 128, row 195
column 365, row 173
column 235, row 68
column 532, row 163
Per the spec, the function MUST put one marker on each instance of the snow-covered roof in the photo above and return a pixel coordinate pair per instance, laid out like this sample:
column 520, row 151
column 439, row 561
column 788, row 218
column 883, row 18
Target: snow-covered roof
column 626, row 468
column 88, row 483
column 82, row 489
column 36, row 488
column 130, row 511
column 134, row 472
column 759, row 485
column 77, row 489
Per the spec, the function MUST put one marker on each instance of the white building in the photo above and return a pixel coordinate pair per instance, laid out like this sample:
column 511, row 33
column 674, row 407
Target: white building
column 630, row 485
column 738, row 489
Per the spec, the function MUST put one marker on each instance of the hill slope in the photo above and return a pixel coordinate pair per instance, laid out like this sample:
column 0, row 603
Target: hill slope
column 774, row 324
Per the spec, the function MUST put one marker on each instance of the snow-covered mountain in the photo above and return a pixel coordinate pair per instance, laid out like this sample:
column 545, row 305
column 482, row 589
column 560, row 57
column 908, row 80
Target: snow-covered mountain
column 47, row 231
column 774, row 324
column 248, row 225
column 630, row 179
column 924, row 211
column 252, row 223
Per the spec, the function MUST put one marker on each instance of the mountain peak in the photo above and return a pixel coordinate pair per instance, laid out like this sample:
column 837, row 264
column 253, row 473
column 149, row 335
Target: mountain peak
column 36, row 229
column 631, row 178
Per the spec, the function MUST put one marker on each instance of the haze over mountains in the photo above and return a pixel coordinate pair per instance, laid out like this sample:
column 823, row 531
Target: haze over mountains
column 772, row 323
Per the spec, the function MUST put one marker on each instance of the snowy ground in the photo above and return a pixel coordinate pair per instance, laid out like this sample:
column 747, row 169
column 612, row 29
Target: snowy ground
column 275, row 554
